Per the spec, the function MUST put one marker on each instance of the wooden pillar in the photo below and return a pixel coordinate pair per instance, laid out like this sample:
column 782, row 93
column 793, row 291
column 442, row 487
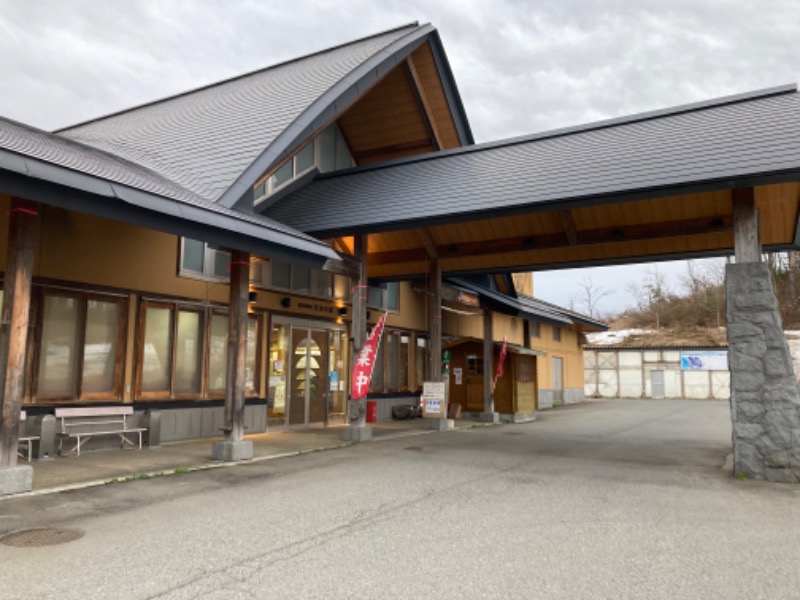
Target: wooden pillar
column 435, row 319
column 746, row 233
column 24, row 228
column 488, row 360
column 358, row 408
column 237, row 346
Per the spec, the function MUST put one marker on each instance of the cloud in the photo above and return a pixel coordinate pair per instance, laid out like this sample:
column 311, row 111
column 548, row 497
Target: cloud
column 521, row 66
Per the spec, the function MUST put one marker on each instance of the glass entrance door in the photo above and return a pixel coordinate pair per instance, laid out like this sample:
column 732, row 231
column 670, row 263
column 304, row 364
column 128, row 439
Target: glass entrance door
column 308, row 401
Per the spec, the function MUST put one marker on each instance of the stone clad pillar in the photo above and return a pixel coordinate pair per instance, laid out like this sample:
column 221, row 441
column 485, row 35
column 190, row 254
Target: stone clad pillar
column 765, row 408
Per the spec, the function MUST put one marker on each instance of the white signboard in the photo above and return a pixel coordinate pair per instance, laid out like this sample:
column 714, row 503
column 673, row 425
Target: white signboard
column 458, row 375
column 433, row 399
column 704, row 360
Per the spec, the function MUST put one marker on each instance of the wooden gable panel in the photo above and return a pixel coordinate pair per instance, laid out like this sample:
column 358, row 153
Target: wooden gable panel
column 432, row 84
column 386, row 122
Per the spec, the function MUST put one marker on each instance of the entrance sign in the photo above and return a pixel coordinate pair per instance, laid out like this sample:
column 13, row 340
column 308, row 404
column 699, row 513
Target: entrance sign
column 433, row 404
column 365, row 361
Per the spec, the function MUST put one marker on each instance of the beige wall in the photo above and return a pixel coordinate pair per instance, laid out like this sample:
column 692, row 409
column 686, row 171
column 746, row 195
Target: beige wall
column 569, row 348
column 106, row 254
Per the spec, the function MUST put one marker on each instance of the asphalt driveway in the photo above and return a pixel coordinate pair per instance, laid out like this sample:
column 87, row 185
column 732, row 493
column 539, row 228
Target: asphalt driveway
column 612, row 499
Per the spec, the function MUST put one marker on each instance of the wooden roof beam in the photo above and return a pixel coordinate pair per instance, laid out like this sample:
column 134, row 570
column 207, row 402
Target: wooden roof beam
column 428, row 242
column 594, row 237
column 569, row 226
column 430, row 121
column 341, row 246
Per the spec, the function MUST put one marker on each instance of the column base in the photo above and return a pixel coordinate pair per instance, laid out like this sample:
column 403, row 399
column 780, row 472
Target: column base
column 524, row 417
column 356, row 434
column 489, row 417
column 16, row 480
column 440, row 424
column 232, row 451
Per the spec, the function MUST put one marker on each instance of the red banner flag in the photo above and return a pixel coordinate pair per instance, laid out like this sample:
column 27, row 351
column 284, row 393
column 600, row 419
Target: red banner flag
column 365, row 361
column 501, row 360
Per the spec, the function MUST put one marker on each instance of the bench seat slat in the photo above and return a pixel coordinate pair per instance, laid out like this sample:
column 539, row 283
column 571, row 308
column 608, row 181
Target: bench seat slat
column 93, row 411
column 115, row 431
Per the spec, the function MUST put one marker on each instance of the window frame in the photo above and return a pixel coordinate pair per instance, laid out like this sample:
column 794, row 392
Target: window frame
column 316, row 275
column 209, row 256
column 206, row 314
column 268, row 181
column 83, row 297
column 384, row 305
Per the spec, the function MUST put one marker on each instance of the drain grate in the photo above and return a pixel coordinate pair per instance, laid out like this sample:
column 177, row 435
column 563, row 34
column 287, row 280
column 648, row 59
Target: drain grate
column 413, row 448
column 35, row 538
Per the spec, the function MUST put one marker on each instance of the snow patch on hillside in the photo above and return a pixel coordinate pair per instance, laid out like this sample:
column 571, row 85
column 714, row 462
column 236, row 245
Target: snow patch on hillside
column 606, row 338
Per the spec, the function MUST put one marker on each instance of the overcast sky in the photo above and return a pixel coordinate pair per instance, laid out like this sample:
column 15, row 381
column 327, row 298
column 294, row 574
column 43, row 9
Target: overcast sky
column 521, row 66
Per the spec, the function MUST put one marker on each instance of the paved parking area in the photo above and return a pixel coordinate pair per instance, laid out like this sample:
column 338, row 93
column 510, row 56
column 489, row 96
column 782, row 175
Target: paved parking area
column 611, row 499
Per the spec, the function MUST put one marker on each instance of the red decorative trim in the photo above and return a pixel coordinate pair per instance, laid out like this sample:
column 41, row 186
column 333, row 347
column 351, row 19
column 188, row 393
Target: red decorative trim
column 27, row 211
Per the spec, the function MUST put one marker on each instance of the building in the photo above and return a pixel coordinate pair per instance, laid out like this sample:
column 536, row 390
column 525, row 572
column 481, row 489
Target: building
column 136, row 223
column 617, row 371
column 212, row 254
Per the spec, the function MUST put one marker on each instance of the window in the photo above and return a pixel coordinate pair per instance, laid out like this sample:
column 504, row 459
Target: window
column 390, row 373
column 281, row 274
column 274, row 273
column 397, row 365
column 378, row 379
column 183, row 351
column 556, row 333
column 80, row 346
column 200, row 259
column 535, row 329
column 386, row 296
column 474, row 364
column 328, row 151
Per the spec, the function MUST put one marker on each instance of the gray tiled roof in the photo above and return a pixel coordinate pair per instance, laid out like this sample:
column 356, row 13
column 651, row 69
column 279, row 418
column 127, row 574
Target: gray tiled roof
column 510, row 305
column 740, row 137
column 35, row 153
column 205, row 139
column 535, row 303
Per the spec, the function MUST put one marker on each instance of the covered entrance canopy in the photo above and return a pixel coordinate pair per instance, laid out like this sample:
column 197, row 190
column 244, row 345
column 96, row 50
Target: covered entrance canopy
column 653, row 186
column 699, row 180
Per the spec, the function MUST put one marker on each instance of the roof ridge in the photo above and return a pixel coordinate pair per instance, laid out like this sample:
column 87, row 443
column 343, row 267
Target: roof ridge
column 572, row 129
column 235, row 78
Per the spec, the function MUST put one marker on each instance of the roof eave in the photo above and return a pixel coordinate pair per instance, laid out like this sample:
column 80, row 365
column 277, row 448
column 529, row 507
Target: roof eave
column 73, row 190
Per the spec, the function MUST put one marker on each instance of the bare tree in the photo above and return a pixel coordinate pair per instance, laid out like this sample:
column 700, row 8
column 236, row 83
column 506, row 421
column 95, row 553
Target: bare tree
column 590, row 294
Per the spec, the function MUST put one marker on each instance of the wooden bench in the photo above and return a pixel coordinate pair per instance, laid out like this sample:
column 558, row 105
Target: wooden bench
column 24, row 439
column 86, row 422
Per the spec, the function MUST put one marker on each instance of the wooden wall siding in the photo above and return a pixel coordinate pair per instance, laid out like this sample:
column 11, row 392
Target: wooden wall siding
column 387, row 121
column 644, row 228
column 778, row 217
column 431, row 83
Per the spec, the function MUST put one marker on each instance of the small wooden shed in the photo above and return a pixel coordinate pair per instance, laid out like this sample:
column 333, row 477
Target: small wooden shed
column 516, row 392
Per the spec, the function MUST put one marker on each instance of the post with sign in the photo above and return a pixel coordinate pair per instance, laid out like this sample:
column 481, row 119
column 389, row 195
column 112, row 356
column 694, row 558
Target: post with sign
column 434, row 399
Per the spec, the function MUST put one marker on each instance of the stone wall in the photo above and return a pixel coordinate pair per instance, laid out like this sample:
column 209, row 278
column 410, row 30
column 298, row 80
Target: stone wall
column 765, row 409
